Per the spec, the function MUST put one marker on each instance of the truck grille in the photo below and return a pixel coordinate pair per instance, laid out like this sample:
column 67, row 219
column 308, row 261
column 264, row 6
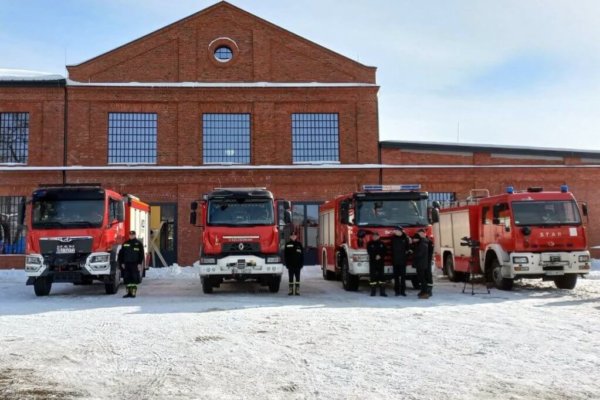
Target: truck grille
column 241, row 247
column 63, row 251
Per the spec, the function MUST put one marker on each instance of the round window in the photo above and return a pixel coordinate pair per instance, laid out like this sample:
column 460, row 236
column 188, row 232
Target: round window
column 223, row 54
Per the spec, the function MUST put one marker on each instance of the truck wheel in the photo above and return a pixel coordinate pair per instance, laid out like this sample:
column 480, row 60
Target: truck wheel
column 500, row 282
column 207, row 286
column 567, row 281
column 274, row 284
column 414, row 281
column 115, row 280
column 453, row 276
column 327, row 274
column 42, row 286
column 349, row 281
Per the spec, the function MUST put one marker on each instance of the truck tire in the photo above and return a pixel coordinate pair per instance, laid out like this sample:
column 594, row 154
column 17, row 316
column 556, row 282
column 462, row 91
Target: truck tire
column 42, row 286
column 500, row 282
column 414, row 281
column 327, row 274
column 349, row 281
column 274, row 284
column 207, row 285
column 112, row 287
column 567, row 281
column 453, row 275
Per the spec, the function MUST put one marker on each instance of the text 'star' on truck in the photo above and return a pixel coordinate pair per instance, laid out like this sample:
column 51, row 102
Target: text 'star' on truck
column 243, row 232
column 75, row 233
column 348, row 222
column 515, row 235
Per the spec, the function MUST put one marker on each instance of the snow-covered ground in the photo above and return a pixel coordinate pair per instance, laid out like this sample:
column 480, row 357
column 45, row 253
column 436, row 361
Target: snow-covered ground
column 173, row 342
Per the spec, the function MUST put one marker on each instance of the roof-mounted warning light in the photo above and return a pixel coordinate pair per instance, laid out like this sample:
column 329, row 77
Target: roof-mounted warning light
column 564, row 188
column 536, row 189
column 391, row 188
column 510, row 190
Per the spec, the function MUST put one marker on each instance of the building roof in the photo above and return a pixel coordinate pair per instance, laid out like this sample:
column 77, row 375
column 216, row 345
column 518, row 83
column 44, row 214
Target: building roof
column 487, row 148
column 21, row 77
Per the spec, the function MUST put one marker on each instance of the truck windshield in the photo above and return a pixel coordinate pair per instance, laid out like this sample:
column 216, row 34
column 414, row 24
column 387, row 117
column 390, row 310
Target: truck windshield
column 546, row 213
column 63, row 213
column 391, row 213
column 240, row 212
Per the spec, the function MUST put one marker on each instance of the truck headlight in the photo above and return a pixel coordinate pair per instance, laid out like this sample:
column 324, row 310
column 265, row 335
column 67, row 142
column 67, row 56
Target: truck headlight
column 520, row 260
column 273, row 260
column 33, row 260
column 208, row 260
column 102, row 258
column 360, row 257
column 584, row 258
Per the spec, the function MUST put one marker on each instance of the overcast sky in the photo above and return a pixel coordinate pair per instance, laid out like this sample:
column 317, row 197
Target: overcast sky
column 506, row 72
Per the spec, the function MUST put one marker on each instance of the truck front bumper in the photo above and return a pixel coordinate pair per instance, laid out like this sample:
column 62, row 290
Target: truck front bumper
column 247, row 265
column 546, row 265
column 95, row 264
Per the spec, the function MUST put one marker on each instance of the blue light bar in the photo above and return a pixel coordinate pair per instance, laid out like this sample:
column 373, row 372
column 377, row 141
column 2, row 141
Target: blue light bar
column 510, row 190
column 564, row 188
column 391, row 188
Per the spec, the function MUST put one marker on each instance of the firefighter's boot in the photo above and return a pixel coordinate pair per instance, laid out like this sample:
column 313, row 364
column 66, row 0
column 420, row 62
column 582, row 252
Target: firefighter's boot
column 128, row 293
column 373, row 290
column 297, row 289
column 382, row 291
column 291, row 292
column 133, row 291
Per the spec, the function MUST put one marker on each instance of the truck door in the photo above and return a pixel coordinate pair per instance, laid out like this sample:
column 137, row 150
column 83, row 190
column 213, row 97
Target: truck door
column 163, row 227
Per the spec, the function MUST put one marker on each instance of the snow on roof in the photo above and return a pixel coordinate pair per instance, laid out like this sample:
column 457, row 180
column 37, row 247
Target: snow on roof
column 25, row 75
column 222, row 84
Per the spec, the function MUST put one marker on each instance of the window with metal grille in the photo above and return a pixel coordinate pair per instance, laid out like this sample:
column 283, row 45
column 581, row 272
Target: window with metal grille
column 226, row 138
column 445, row 198
column 14, row 137
column 132, row 138
column 12, row 230
column 315, row 137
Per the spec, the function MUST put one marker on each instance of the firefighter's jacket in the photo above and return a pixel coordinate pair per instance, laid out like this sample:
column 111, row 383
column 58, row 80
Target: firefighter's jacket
column 400, row 248
column 422, row 251
column 376, row 248
column 294, row 254
column 132, row 252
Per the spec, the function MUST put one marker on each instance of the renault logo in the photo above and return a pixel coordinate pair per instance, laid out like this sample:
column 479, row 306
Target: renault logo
column 241, row 246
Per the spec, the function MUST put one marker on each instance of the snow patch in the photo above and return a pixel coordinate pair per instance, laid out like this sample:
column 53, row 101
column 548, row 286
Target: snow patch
column 25, row 75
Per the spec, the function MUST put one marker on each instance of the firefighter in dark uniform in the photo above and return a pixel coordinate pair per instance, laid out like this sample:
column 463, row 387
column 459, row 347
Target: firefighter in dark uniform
column 131, row 256
column 294, row 261
column 376, row 249
column 400, row 249
column 422, row 262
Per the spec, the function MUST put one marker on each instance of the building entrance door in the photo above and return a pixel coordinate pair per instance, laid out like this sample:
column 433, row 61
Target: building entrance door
column 163, row 223
column 306, row 226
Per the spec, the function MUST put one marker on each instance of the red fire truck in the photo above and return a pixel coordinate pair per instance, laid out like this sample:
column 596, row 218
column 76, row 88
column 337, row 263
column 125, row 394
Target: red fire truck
column 347, row 223
column 75, row 233
column 529, row 234
column 242, row 237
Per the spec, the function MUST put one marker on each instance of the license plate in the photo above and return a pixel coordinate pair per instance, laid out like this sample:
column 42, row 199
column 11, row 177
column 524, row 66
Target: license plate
column 65, row 249
column 552, row 273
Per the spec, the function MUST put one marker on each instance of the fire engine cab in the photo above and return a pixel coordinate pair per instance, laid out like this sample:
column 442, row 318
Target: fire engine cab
column 75, row 232
column 348, row 222
column 242, row 236
column 515, row 235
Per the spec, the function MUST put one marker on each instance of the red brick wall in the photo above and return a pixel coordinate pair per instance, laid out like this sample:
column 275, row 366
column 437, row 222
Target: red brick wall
column 182, row 52
column 180, row 115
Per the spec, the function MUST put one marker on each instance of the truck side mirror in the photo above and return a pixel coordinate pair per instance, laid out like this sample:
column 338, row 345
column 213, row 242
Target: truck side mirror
column 193, row 216
column 344, row 212
column 584, row 209
column 435, row 215
column 287, row 217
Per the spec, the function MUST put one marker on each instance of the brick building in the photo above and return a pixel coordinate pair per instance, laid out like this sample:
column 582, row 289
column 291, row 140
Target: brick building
column 224, row 98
